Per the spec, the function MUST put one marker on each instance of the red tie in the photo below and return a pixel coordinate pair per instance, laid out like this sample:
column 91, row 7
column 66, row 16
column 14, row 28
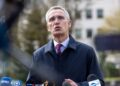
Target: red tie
column 58, row 49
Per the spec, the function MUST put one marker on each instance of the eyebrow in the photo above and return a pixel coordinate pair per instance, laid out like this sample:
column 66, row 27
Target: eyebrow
column 54, row 17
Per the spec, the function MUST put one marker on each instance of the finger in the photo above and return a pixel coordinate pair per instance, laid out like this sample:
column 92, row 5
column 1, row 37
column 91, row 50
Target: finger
column 71, row 82
column 68, row 80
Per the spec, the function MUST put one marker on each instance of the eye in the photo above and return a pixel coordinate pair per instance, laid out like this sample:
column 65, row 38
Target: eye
column 60, row 17
column 51, row 19
column 56, row 17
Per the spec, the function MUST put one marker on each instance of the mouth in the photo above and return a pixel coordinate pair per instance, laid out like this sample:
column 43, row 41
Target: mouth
column 57, row 28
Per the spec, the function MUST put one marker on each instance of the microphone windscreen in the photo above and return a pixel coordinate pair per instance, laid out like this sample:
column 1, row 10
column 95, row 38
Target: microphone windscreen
column 65, row 84
column 91, row 77
column 93, row 80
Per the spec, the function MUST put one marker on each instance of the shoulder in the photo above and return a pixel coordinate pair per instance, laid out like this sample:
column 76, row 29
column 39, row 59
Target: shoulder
column 84, row 46
column 39, row 53
column 75, row 43
column 87, row 50
column 40, row 50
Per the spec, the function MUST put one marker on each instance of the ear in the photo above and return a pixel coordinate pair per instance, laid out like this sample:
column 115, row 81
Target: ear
column 70, row 23
column 48, row 28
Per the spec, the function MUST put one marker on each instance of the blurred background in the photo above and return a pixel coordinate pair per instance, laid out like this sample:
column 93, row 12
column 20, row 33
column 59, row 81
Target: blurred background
column 95, row 22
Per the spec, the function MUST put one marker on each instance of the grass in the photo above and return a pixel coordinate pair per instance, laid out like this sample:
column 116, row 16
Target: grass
column 107, row 79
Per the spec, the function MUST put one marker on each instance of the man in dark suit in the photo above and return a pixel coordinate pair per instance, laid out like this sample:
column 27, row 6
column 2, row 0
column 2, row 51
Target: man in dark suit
column 63, row 59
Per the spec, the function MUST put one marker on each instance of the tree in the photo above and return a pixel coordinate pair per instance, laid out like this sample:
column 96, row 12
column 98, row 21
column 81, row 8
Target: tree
column 111, row 25
column 35, row 35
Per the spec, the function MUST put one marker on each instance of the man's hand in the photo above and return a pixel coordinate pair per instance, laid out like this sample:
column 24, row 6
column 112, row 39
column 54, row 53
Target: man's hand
column 69, row 82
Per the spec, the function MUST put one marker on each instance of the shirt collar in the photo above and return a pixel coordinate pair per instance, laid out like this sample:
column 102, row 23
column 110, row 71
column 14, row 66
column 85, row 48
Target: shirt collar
column 71, row 44
column 64, row 43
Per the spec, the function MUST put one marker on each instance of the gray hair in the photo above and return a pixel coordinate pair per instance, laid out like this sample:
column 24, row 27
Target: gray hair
column 57, row 7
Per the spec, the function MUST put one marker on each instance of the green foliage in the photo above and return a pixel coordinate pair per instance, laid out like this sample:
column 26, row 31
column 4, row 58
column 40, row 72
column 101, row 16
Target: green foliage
column 14, row 34
column 36, row 31
column 109, row 79
column 110, row 70
column 102, row 60
column 14, row 69
column 20, row 71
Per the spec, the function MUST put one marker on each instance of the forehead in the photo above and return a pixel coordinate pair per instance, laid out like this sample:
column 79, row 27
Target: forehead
column 56, row 12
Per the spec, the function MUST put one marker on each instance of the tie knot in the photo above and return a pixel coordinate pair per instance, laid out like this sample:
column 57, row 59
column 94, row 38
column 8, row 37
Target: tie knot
column 58, row 48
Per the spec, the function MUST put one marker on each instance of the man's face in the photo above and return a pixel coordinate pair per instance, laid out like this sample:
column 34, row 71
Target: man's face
column 58, row 24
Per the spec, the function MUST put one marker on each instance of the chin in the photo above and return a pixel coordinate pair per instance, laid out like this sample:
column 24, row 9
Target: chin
column 57, row 34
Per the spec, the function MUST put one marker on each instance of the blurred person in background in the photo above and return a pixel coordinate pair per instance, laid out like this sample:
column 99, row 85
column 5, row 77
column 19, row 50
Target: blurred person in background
column 9, row 12
column 72, row 60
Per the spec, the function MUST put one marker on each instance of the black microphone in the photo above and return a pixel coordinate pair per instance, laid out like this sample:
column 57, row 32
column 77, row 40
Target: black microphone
column 93, row 80
column 65, row 84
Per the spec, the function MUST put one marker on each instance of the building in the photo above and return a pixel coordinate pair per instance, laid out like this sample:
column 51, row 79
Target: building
column 91, row 16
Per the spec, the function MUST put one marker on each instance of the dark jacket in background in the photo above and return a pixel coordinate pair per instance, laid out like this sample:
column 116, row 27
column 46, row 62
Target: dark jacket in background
column 6, row 23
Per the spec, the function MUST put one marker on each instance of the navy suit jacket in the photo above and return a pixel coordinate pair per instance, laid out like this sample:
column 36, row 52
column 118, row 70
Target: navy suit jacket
column 77, row 61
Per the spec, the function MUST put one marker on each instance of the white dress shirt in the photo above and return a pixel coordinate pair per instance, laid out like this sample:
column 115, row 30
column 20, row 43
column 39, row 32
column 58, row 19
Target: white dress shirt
column 64, row 44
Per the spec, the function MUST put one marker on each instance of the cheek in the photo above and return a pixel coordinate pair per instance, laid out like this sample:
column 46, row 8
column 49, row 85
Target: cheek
column 49, row 27
column 66, row 25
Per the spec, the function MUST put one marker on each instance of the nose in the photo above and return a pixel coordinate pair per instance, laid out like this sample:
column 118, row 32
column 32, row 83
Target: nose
column 56, row 21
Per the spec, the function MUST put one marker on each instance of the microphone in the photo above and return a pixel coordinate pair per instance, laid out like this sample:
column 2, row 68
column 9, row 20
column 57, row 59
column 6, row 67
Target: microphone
column 5, row 81
column 65, row 84
column 93, row 80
